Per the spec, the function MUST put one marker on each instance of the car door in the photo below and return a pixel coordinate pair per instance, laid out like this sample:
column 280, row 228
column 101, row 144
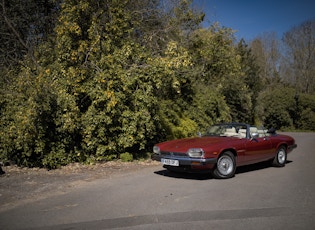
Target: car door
column 258, row 146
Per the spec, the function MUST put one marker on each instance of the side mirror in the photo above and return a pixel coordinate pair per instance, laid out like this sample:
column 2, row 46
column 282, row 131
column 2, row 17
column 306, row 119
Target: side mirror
column 254, row 135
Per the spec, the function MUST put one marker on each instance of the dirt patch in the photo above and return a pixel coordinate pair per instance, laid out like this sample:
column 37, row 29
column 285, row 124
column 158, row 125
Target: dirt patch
column 21, row 185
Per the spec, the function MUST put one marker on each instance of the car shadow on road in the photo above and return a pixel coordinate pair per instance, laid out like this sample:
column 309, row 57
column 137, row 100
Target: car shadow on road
column 184, row 175
column 208, row 176
column 256, row 167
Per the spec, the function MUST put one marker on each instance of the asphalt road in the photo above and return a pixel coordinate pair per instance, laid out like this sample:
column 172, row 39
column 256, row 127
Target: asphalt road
column 258, row 197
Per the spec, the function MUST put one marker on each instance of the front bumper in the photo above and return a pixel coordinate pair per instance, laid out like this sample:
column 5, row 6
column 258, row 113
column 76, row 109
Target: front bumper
column 291, row 147
column 186, row 161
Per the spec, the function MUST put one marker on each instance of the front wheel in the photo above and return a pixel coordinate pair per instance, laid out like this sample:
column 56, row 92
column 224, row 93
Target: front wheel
column 281, row 157
column 225, row 167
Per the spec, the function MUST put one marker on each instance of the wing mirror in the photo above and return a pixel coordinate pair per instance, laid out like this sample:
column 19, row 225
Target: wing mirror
column 254, row 135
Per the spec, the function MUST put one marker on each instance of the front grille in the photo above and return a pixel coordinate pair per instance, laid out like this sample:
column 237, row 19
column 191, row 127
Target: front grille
column 173, row 154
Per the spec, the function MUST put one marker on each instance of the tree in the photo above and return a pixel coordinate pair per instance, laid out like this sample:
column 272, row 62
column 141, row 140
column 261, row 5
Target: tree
column 288, row 68
column 300, row 56
column 213, row 54
column 266, row 49
column 305, row 108
column 23, row 26
column 277, row 109
column 112, row 77
column 222, row 65
column 252, row 78
column 114, row 81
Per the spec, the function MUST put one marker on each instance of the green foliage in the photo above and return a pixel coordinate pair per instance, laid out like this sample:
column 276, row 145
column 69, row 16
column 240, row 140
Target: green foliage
column 28, row 121
column 115, row 78
column 126, row 157
column 37, row 123
column 228, row 68
column 252, row 82
column 175, row 124
column 281, row 107
column 277, row 107
column 56, row 159
column 305, row 111
column 208, row 107
column 307, row 120
column 238, row 97
column 214, row 54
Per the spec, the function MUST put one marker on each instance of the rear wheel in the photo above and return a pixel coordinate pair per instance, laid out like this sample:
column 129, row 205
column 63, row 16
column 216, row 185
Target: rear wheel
column 281, row 157
column 225, row 167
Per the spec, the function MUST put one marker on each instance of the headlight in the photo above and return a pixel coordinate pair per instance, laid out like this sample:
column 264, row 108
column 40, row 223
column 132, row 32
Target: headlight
column 195, row 152
column 156, row 150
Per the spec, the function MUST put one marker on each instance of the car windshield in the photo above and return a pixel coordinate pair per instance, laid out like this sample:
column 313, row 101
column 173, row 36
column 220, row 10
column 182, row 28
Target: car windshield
column 227, row 130
column 236, row 130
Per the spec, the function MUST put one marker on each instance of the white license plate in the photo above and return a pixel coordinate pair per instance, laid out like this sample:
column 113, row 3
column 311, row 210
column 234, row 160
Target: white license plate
column 170, row 162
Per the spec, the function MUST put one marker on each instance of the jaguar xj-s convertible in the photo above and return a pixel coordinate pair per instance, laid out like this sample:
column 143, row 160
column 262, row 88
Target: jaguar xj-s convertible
column 223, row 148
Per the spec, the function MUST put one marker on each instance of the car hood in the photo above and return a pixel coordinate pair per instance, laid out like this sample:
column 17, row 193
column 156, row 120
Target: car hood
column 182, row 145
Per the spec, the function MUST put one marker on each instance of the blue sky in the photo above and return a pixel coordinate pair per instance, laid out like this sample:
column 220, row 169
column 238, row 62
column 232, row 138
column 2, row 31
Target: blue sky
column 253, row 17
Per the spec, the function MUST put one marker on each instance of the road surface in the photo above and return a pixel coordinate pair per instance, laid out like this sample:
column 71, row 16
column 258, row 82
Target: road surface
column 258, row 197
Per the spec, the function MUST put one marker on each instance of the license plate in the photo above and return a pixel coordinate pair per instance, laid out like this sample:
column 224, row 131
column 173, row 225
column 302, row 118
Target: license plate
column 170, row 162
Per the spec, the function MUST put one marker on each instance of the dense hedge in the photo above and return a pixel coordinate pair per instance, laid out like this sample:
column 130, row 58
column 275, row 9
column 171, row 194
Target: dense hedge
column 103, row 85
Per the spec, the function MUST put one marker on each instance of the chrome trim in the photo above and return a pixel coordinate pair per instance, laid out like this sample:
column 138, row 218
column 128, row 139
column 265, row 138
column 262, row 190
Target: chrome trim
column 186, row 160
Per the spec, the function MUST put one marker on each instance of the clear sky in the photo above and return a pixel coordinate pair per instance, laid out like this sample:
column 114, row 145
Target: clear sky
column 251, row 18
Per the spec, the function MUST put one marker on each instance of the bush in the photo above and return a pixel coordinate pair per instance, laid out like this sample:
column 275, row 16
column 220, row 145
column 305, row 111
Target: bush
column 126, row 157
column 277, row 107
column 307, row 120
column 306, row 112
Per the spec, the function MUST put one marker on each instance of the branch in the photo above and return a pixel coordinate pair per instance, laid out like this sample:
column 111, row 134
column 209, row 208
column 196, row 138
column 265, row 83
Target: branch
column 9, row 24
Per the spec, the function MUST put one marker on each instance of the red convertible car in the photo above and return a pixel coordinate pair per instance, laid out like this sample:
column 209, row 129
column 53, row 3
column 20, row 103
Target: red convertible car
column 223, row 148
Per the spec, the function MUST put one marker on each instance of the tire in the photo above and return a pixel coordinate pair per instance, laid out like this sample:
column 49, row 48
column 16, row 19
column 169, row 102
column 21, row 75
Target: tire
column 226, row 166
column 281, row 157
